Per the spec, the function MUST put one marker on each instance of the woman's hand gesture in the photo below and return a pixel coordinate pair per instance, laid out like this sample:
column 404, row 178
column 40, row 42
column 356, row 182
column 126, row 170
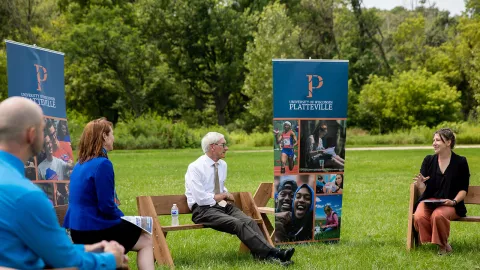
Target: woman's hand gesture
column 419, row 180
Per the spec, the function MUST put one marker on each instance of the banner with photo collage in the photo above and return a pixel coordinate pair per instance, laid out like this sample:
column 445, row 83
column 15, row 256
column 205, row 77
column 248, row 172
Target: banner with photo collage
column 309, row 121
column 38, row 74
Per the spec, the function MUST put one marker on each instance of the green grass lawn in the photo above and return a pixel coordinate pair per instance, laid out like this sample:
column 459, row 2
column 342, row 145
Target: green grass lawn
column 374, row 214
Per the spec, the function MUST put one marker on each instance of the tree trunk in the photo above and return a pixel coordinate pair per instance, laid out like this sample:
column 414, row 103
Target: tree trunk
column 366, row 33
column 221, row 101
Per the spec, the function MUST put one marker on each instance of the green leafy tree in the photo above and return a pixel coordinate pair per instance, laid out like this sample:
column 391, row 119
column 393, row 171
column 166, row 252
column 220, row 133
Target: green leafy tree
column 112, row 70
column 410, row 98
column 469, row 51
column 409, row 43
column 276, row 37
column 360, row 40
column 22, row 20
column 204, row 42
column 449, row 60
column 370, row 32
column 315, row 19
column 250, row 5
column 472, row 7
column 441, row 29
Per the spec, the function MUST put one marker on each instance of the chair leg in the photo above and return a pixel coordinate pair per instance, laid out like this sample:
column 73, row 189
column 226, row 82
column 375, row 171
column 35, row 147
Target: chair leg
column 267, row 223
column 161, row 251
column 250, row 209
column 412, row 236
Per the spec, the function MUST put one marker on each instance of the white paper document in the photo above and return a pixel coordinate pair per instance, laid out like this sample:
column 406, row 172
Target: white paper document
column 144, row 223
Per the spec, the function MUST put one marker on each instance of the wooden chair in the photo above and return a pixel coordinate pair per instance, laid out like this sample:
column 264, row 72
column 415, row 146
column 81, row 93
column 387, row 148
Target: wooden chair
column 61, row 211
column 473, row 197
column 263, row 194
column 161, row 205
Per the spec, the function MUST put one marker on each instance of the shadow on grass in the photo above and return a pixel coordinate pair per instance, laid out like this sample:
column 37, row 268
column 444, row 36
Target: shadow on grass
column 217, row 259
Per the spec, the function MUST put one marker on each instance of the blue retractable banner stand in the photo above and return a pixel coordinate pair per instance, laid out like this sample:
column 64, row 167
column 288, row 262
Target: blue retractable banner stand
column 38, row 74
column 310, row 100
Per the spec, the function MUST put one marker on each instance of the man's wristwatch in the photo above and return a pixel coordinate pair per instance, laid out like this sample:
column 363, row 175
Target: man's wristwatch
column 454, row 202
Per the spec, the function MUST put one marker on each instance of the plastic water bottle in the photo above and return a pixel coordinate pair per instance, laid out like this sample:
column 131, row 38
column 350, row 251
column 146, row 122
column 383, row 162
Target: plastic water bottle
column 174, row 213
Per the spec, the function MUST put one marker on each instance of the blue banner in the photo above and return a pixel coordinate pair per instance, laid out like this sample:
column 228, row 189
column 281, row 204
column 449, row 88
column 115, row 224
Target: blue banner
column 310, row 89
column 37, row 74
column 310, row 112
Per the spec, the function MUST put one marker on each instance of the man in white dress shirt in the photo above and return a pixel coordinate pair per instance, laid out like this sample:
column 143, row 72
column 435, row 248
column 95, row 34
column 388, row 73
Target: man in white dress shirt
column 212, row 206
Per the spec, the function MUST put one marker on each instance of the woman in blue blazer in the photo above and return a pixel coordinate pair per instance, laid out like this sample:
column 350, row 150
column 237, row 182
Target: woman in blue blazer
column 92, row 214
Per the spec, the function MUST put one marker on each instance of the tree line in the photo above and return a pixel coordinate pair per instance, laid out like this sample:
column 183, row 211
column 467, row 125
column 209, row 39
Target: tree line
column 208, row 62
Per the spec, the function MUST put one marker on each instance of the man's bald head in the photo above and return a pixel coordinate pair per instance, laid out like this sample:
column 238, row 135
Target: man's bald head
column 17, row 115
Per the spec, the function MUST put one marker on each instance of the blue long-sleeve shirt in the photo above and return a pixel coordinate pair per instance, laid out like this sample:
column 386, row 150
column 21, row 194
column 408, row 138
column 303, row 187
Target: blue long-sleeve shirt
column 30, row 235
column 91, row 203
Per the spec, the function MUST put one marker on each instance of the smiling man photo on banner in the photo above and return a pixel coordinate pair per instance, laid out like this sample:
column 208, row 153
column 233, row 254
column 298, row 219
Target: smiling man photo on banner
column 61, row 149
column 294, row 222
column 283, row 207
column 51, row 167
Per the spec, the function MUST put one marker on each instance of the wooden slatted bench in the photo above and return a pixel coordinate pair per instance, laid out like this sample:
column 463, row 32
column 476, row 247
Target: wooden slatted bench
column 155, row 206
column 263, row 194
column 473, row 197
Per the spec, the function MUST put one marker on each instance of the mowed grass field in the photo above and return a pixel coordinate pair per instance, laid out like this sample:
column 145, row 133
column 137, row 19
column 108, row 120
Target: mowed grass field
column 374, row 214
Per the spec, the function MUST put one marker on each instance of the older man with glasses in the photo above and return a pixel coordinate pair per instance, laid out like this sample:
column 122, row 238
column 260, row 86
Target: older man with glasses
column 212, row 206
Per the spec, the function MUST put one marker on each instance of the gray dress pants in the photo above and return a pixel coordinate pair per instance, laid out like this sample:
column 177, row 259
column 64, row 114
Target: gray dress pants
column 232, row 220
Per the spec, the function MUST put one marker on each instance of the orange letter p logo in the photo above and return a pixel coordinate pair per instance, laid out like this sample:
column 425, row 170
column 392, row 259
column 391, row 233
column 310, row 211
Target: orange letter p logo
column 310, row 84
column 40, row 71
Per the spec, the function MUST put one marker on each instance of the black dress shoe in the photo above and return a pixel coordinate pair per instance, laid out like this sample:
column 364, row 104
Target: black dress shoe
column 284, row 255
column 287, row 254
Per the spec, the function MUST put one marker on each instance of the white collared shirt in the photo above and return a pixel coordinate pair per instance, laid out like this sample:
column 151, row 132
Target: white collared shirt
column 200, row 181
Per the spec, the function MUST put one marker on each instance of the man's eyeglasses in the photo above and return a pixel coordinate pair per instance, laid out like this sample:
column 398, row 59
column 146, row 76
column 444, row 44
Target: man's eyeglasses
column 222, row 144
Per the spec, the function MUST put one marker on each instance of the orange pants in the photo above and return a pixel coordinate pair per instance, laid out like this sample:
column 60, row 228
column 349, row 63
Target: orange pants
column 433, row 224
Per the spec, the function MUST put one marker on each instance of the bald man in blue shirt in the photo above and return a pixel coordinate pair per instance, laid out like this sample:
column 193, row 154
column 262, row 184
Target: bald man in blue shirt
column 30, row 235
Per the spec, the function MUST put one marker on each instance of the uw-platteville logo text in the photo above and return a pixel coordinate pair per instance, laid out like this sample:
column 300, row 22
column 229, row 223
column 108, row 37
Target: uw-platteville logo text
column 41, row 99
column 313, row 80
column 41, row 75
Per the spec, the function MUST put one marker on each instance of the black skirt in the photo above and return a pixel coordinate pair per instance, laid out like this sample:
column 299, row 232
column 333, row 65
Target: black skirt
column 125, row 233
